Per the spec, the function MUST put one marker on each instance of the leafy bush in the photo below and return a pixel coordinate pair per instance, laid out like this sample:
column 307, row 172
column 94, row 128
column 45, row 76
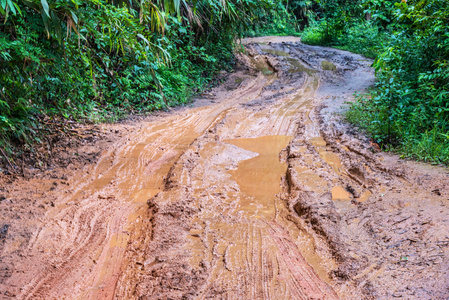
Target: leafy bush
column 347, row 28
column 410, row 107
column 96, row 60
column 278, row 20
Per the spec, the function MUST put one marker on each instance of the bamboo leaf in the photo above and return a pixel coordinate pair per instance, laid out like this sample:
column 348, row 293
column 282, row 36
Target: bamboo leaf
column 45, row 7
column 11, row 7
column 143, row 38
column 18, row 9
column 74, row 17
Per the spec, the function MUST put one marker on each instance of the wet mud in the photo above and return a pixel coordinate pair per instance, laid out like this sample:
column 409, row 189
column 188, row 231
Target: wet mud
column 257, row 191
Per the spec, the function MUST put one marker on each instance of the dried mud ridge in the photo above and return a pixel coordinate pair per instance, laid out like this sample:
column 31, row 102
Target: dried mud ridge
column 258, row 191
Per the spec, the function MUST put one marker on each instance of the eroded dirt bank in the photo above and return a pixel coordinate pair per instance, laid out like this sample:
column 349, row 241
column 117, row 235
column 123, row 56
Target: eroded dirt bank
column 256, row 192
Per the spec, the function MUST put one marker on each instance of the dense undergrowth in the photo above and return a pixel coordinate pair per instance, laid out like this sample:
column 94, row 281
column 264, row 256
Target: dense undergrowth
column 408, row 110
column 97, row 60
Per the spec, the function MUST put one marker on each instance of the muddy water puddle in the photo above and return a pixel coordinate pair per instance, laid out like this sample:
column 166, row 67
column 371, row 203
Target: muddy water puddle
column 297, row 67
column 261, row 65
column 365, row 196
column 275, row 52
column 328, row 66
column 339, row 193
column 259, row 177
column 251, row 245
column 329, row 157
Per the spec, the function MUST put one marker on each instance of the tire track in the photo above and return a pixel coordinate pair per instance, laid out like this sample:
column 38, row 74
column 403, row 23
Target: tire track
column 203, row 202
column 84, row 238
column 220, row 230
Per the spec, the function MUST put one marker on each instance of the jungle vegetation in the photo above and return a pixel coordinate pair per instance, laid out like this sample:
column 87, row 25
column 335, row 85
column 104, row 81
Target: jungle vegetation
column 408, row 109
column 99, row 60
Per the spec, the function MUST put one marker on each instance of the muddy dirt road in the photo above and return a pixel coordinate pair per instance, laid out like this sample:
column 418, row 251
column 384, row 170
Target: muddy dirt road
column 256, row 191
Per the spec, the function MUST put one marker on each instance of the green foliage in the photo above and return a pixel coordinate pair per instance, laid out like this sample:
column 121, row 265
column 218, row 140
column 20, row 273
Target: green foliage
column 344, row 24
column 363, row 37
column 278, row 21
column 381, row 12
column 96, row 60
column 409, row 108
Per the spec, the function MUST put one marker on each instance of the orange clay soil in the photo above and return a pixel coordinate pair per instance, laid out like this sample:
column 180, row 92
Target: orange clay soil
column 256, row 191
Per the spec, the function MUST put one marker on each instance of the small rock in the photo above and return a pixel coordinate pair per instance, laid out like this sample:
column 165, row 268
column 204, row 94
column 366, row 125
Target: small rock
column 4, row 231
